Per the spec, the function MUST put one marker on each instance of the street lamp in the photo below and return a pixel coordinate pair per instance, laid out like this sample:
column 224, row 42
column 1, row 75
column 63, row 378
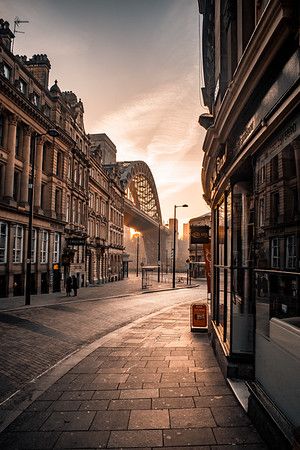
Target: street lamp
column 174, row 240
column 137, row 236
column 53, row 133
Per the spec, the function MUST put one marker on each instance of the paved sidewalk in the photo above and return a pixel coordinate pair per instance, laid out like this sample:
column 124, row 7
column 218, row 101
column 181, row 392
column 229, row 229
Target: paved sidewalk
column 128, row 286
column 151, row 384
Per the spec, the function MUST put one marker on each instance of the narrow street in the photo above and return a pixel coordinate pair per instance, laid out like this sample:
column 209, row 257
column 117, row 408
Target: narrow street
column 34, row 339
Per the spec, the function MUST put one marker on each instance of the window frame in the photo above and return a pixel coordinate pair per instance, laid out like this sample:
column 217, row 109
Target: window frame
column 18, row 240
column 44, row 257
column 4, row 249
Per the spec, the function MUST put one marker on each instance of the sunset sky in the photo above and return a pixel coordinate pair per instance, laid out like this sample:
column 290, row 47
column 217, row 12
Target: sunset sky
column 135, row 65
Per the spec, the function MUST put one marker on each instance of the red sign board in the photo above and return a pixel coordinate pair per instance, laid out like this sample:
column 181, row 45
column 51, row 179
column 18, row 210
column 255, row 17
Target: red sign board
column 199, row 316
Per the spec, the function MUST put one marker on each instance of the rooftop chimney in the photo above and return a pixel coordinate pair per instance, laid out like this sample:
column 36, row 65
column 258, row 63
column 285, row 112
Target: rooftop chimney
column 39, row 66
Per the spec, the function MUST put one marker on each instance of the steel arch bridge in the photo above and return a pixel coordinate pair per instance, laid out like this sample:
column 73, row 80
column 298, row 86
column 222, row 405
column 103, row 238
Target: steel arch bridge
column 142, row 207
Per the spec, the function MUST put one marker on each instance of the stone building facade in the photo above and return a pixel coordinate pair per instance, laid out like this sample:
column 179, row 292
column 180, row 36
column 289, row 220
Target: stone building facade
column 64, row 173
column 251, row 180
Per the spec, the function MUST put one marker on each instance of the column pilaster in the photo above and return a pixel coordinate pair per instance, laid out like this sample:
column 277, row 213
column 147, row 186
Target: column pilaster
column 10, row 165
column 26, row 162
column 38, row 173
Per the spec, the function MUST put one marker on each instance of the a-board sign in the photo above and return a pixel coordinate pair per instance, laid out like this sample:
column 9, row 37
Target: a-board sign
column 199, row 317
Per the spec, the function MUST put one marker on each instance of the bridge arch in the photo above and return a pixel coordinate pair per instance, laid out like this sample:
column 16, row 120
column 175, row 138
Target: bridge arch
column 140, row 188
column 142, row 208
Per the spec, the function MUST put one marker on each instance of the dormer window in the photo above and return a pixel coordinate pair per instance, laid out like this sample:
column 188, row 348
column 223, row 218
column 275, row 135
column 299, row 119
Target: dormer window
column 6, row 71
column 22, row 86
column 35, row 99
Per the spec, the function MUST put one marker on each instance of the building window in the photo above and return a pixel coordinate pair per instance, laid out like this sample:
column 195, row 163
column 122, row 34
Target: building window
column 274, row 168
column 80, row 176
column 275, row 256
column 18, row 142
column 275, row 200
column 43, row 196
column 44, row 246
column 3, row 242
column 44, row 162
column 1, row 129
column 33, row 246
column 6, row 71
column 291, row 252
column 70, row 169
column 17, row 179
column 46, row 110
column 68, row 209
column 58, row 198
column 35, row 99
column 261, row 212
column 56, row 248
column 17, row 244
column 59, row 164
column 22, row 86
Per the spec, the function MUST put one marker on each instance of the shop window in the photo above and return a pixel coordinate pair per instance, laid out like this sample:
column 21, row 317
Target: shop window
column 275, row 253
column 56, row 248
column 44, row 246
column 3, row 242
column 18, row 244
column 291, row 252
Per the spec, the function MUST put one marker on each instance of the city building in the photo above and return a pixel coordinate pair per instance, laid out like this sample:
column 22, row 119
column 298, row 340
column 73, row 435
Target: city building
column 78, row 201
column 186, row 232
column 110, row 241
column 251, row 180
column 196, row 250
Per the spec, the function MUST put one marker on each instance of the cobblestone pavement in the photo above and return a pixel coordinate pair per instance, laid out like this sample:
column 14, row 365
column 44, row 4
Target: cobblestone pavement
column 152, row 384
column 34, row 339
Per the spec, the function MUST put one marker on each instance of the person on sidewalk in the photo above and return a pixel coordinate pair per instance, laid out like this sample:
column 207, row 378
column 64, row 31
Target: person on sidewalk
column 69, row 283
column 74, row 285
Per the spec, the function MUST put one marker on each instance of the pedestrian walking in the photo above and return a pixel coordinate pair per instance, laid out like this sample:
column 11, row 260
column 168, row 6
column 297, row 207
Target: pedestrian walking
column 74, row 285
column 69, row 283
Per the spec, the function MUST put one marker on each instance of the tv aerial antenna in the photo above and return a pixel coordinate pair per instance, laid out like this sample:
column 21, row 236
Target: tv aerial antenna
column 17, row 23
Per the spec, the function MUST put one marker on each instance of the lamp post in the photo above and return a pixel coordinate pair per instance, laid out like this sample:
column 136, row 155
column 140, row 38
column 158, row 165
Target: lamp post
column 53, row 133
column 137, row 236
column 174, row 241
column 158, row 255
